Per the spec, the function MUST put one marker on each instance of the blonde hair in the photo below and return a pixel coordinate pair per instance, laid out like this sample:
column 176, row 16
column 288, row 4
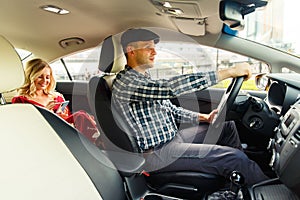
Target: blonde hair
column 33, row 70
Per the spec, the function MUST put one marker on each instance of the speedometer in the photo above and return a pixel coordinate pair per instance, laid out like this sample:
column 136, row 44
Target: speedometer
column 276, row 94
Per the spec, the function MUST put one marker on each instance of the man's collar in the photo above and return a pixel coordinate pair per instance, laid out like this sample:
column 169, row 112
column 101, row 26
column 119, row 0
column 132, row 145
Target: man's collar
column 128, row 68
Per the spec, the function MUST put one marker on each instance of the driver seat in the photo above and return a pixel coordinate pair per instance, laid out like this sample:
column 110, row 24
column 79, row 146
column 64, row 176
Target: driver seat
column 181, row 184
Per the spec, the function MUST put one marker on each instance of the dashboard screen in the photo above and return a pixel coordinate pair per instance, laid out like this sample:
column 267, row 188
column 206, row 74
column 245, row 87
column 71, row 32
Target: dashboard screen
column 288, row 121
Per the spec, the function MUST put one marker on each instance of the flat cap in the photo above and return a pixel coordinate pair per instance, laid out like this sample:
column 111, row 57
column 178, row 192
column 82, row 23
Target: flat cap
column 134, row 35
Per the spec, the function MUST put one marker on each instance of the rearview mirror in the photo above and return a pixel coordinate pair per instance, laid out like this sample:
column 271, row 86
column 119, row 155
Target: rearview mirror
column 231, row 14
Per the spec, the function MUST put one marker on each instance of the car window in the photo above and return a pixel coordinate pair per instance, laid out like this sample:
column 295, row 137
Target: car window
column 23, row 53
column 182, row 58
column 173, row 58
column 274, row 26
column 80, row 66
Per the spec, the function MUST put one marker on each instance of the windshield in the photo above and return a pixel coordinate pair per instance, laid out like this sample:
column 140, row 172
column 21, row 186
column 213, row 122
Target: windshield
column 275, row 25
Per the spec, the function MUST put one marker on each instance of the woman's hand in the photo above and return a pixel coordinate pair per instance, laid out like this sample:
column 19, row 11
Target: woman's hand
column 64, row 114
column 208, row 117
column 51, row 105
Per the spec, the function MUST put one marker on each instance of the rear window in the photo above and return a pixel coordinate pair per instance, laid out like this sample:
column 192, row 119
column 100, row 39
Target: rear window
column 81, row 66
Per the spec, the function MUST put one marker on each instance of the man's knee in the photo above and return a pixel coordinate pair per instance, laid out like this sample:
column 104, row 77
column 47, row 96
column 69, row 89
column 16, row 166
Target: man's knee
column 236, row 156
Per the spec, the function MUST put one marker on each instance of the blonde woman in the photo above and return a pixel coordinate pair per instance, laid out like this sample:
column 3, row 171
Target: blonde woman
column 38, row 89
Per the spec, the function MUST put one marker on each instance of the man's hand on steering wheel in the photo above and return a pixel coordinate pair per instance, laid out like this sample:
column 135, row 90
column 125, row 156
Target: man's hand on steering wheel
column 240, row 69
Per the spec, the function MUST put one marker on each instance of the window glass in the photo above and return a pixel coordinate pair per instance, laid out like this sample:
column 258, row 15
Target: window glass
column 23, row 53
column 59, row 71
column 173, row 58
column 275, row 26
column 182, row 58
column 81, row 66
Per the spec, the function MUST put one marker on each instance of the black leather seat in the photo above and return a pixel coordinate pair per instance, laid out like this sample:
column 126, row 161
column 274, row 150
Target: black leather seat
column 182, row 184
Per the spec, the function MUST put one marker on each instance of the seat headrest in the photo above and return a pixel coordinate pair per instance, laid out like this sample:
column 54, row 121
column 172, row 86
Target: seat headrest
column 12, row 72
column 112, row 58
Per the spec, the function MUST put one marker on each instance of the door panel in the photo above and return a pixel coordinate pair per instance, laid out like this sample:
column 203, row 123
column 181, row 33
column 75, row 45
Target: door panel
column 201, row 101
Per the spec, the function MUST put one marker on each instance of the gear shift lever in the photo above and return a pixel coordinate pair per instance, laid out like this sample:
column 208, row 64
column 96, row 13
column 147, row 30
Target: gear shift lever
column 237, row 181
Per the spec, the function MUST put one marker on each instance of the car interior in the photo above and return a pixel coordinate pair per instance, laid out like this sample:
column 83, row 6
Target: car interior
column 44, row 157
column 116, row 131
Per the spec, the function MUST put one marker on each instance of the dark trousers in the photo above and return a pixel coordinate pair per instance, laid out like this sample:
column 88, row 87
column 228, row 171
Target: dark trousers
column 186, row 152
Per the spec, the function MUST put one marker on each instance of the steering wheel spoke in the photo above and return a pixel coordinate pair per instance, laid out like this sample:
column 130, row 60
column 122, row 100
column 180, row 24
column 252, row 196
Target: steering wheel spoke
column 226, row 103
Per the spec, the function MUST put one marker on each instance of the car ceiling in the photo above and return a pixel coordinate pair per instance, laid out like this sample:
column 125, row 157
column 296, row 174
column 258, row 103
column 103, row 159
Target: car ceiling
column 28, row 27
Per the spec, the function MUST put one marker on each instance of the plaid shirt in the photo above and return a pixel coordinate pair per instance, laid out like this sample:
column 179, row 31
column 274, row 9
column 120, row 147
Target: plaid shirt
column 146, row 106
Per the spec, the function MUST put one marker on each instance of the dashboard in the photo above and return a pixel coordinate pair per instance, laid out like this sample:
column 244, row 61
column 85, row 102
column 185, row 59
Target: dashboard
column 284, row 90
column 283, row 97
column 285, row 148
column 283, row 101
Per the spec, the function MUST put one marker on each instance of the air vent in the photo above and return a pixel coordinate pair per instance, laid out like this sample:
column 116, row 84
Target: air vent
column 297, row 135
column 74, row 41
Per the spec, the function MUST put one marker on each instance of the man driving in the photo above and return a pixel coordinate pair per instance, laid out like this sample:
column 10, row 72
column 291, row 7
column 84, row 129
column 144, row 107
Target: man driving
column 145, row 105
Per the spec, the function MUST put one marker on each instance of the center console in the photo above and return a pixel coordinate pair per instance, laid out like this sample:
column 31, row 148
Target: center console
column 286, row 148
column 285, row 161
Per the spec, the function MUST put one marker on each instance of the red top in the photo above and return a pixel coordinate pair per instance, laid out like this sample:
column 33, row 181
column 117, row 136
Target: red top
column 81, row 120
column 23, row 99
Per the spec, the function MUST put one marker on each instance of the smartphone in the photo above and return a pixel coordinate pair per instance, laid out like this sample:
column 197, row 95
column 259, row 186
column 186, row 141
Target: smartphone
column 63, row 105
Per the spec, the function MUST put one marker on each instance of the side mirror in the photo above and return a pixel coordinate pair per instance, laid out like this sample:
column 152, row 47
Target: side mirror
column 262, row 81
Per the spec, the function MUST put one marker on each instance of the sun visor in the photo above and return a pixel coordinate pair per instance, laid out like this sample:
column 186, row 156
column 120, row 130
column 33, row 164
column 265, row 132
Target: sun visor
column 186, row 15
column 195, row 27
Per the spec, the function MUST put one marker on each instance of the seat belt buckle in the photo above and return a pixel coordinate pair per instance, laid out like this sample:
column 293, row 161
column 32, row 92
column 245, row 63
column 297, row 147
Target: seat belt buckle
column 145, row 173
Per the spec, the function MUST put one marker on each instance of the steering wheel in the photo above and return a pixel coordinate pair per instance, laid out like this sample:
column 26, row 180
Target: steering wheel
column 228, row 98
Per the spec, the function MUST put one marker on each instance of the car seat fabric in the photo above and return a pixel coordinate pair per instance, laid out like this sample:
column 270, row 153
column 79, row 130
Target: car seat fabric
column 112, row 60
column 99, row 168
column 12, row 75
column 35, row 162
